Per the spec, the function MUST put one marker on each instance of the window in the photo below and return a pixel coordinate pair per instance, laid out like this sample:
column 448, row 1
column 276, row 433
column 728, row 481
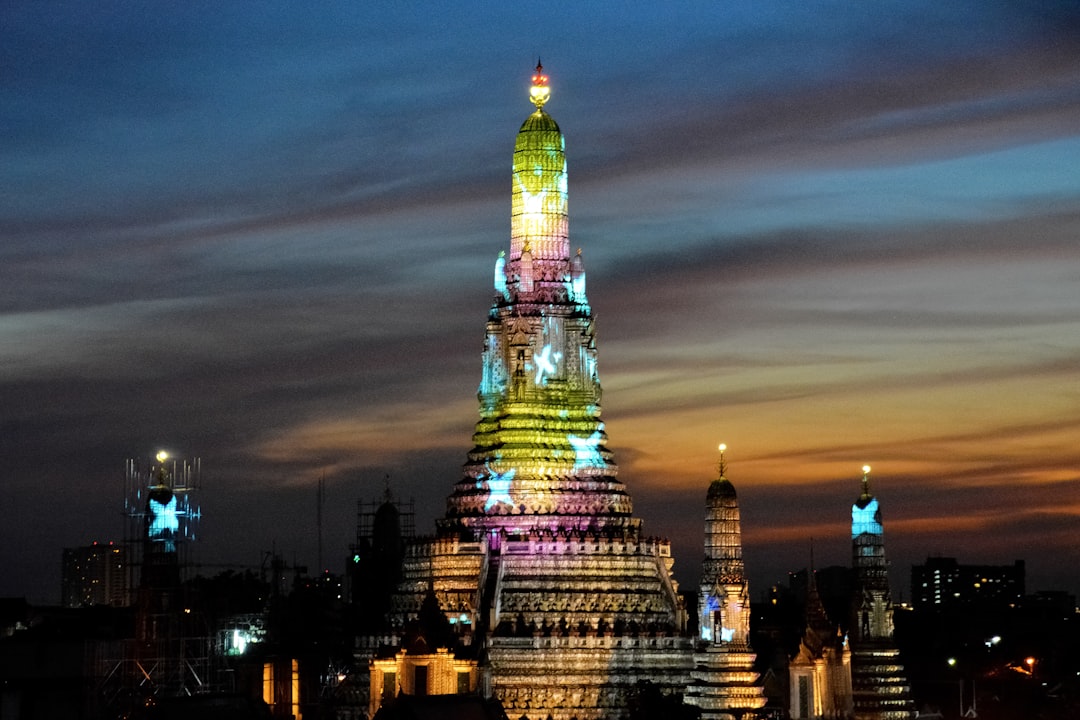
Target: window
column 389, row 685
column 268, row 684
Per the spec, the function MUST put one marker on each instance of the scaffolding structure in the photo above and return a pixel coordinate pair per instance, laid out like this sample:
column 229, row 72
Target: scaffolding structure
column 130, row 671
column 172, row 651
column 365, row 517
column 182, row 478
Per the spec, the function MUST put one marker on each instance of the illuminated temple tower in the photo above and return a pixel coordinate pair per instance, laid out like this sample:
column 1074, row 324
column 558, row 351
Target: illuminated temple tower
column 724, row 680
column 170, row 654
column 539, row 564
column 879, row 688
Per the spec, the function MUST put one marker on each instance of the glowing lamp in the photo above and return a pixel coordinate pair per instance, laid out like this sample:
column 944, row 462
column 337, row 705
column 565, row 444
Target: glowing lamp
column 539, row 92
column 162, row 456
column 866, row 469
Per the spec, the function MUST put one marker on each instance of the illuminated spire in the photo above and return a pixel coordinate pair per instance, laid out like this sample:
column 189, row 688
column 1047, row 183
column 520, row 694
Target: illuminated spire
column 539, row 92
column 540, row 459
column 538, row 212
column 723, row 531
column 879, row 688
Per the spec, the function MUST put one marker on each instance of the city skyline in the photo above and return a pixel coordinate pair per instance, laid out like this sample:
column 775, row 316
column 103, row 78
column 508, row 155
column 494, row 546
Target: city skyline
column 826, row 236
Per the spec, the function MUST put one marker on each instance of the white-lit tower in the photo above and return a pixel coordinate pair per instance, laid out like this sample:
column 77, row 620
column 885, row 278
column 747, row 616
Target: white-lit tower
column 725, row 684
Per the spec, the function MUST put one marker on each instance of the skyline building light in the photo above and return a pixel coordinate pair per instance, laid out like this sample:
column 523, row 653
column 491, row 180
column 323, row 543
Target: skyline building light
column 95, row 574
column 943, row 582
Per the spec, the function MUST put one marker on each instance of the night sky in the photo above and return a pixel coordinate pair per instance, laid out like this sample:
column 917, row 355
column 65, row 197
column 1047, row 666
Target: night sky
column 826, row 234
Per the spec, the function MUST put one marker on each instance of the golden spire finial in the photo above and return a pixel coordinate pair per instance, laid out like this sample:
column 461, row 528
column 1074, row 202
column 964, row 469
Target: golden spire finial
column 722, row 466
column 539, row 93
column 866, row 480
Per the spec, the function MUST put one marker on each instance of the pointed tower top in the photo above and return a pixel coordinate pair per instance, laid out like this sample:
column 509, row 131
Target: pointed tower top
column 865, row 483
column 721, row 489
column 539, row 92
column 387, row 495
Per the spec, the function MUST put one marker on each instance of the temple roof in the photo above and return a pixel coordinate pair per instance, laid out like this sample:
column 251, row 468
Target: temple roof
column 539, row 121
column 721, row 488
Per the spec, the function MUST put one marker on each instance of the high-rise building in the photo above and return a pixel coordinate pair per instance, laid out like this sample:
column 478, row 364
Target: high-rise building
column 879, row 686
column 96, row 574
column 539, row 566
column 943, row 583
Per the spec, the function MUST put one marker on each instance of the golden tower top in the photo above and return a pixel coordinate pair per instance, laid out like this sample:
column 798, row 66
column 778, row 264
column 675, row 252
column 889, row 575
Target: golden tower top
column 539, row 92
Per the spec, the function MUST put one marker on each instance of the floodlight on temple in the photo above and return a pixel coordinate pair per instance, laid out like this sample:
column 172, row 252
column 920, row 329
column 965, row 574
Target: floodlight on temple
column 158, row 501
column 866, row 513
